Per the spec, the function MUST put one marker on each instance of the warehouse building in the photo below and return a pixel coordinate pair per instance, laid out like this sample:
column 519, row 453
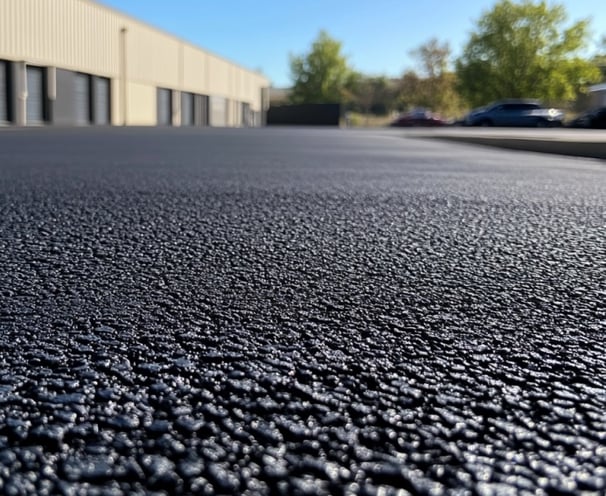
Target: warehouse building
column 77, row 62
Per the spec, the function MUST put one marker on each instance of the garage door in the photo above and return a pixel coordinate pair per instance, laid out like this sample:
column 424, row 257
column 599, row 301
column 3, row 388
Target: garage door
column 35, row 95
column 3, row 93
column 101, row 99
column 187, row 109
column 82, row 99
column 164, row 107
column 201, row 103
column 246, row 115
column 218, row 111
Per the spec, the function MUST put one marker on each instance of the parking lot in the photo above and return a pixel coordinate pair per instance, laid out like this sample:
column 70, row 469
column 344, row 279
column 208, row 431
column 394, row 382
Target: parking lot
column 299, row 311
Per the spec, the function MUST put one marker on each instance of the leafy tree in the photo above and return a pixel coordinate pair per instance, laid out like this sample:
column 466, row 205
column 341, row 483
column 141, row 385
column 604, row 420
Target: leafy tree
column 525, row 50
column 411, row 92
column 436, row 86
column 373, row 95
column 322, row 75
column 433, row 57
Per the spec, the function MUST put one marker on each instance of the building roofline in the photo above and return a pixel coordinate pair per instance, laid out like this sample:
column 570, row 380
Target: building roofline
column 113, row 10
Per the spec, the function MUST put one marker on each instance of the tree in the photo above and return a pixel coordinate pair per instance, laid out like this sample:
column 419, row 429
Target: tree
column 525, row 50
column 433, row 57
column 373, row 95
column 435, row 87
column 323, row 75
column 412, row 93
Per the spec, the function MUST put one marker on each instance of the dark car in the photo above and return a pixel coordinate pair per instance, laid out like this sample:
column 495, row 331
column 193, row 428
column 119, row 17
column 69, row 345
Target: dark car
column 592, row 119
column 418, row 117
column 528, row 113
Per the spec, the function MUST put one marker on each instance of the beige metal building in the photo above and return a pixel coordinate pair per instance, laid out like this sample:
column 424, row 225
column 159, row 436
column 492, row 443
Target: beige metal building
column 76, row 62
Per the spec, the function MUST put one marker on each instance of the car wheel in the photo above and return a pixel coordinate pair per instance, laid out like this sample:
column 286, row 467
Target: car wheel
column 542, row 123
column 485, row 123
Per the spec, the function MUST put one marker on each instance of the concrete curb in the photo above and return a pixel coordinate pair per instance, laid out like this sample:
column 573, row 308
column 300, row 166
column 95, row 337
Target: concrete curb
column 575, row 148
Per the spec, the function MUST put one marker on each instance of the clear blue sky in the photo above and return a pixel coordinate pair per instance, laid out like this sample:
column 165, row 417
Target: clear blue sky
column 377, row 36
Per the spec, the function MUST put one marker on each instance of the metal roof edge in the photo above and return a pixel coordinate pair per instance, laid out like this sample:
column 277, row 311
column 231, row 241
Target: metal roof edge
column 101, row 5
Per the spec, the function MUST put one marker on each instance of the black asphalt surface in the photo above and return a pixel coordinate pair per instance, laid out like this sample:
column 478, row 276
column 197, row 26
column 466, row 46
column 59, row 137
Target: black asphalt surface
column 298, row 311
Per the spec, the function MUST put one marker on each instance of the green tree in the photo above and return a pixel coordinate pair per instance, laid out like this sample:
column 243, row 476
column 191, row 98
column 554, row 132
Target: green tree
column 525, row 50
column 373, row 95
column 436, row 86
column 411, row 92
column 433, row 57
column 322, row 75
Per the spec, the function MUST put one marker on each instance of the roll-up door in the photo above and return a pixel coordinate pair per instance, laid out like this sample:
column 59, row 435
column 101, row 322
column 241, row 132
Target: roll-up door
column 82, row 99
column 35, row 95
column 246, row 115
column 3, row 93
column 101, row 101
column 218, row 111
column 187, row 109
column 164, row 107
column 202, row 108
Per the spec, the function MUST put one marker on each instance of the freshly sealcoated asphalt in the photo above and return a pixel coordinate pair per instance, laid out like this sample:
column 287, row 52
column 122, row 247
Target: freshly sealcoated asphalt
column 298, row 311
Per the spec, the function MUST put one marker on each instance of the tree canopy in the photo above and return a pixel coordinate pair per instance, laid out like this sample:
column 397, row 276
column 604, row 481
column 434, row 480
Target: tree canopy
column 433, row 57
column 322, row 75
column 435, row 87
column 372, row 95
column 525, row 50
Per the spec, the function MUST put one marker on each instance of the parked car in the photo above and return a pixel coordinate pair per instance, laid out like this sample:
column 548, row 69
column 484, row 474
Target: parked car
column 418, row 117
column 594, row 119
column 529, row 113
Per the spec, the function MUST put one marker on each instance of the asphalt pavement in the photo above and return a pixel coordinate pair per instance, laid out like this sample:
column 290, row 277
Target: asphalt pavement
column 298, row 311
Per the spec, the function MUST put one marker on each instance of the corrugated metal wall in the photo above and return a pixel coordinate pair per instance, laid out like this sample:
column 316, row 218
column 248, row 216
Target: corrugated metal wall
column 86, row 37
column 72, row 34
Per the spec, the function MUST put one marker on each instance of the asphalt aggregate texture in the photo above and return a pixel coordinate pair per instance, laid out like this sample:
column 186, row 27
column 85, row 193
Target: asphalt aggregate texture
column 298, row 311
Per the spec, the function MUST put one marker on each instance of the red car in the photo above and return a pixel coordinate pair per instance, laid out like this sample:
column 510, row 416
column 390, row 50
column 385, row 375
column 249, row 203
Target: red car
column 419, row 117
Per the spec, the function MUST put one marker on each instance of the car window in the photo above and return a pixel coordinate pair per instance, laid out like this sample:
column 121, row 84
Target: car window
column 521, row 107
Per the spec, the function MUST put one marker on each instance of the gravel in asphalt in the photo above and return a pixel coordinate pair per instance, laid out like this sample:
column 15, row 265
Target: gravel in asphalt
column 298, row 312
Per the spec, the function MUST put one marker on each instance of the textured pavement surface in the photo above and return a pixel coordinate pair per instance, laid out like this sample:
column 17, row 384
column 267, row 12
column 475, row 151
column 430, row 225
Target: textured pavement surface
column 298, row 312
